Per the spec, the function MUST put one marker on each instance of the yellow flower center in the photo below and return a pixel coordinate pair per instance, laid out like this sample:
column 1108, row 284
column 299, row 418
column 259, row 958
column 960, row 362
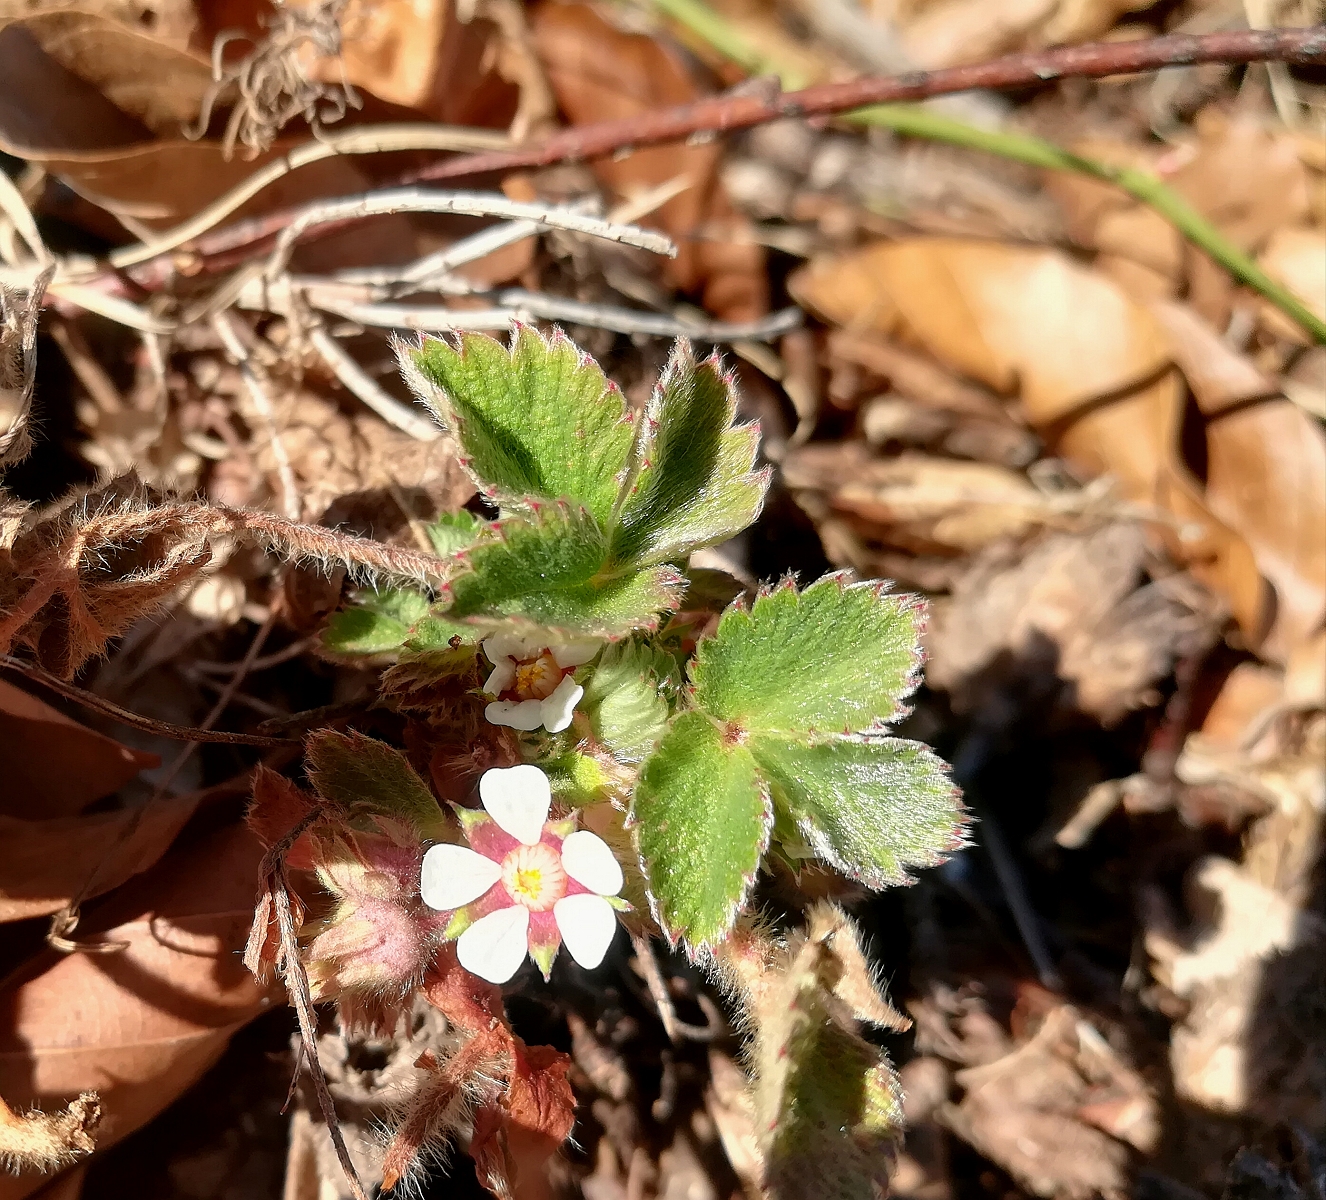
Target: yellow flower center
column 534, row 876
column 536, row 678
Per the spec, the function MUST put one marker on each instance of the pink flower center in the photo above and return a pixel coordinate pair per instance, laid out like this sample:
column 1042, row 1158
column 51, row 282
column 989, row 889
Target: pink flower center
column 536, row 678
column 534, row 877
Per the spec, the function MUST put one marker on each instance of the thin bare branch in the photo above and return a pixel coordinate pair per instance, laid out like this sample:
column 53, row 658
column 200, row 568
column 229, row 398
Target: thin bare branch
column 726, row 114
column 357, row 380
column 473, row 204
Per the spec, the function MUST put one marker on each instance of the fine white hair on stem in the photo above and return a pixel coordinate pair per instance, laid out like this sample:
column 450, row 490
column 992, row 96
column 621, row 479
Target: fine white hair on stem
column 473, row 204
column 358, row 381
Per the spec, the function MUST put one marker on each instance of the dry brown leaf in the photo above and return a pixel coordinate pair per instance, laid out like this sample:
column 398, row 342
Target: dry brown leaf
column 64, row 766
column 1005, row 315
column 600, row 73
column 1067, row 611
column 1296, row 258
column 938, row 505
column 47, row 863
column 141, row 1025
column 1266, row 479
column 1218, row 375
column 1088, row 363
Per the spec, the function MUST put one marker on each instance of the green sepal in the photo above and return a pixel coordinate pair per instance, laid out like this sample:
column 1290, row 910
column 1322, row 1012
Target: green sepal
column 355, row 771
column 451, row 532
column 625, row 698
column 702, row 820
column 550, row 569
column 870, row 807
column 696, row 484
column 537, row 420
column 837, row 657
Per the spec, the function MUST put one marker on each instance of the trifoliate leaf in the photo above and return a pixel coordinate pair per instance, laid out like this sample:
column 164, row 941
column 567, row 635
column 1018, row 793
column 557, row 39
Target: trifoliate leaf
column 538, row 420
column 703, row 820
column 871, row 807
column 836, row 657
column 379, row 621
column 624, row 698
column 696, row 485
column 551, row 569
column 453, row 531
column 351, row 770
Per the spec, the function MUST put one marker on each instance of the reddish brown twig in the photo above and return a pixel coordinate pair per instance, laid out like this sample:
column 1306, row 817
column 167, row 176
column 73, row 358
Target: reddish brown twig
column 724, row 114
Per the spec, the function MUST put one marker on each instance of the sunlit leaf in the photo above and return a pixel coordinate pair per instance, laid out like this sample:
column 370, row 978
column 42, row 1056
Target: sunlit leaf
column 703, row 820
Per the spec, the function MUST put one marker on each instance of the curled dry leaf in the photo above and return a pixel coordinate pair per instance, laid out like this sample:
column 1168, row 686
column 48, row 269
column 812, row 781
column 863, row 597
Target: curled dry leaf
column 1265, row 470
column 1090, row 366
column 600, row 73
column 141, row 1025
column 1297, row 258
column 105, row 107
column 1068, row 608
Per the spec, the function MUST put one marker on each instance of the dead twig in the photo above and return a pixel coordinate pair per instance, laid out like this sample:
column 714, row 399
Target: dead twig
column 358, row 381
column 726, row 114
column 108, row 708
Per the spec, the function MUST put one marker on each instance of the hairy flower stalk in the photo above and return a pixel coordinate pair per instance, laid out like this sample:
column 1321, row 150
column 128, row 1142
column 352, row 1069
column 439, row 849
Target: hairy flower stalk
column 524, row 884
column 532, row 679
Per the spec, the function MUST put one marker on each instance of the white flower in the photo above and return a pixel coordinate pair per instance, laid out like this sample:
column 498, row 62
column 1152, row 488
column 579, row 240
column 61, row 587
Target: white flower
column 532, row 679
column 524, row 884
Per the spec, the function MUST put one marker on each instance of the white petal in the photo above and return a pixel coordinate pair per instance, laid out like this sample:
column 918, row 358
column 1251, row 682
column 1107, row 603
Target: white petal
column 588, row 924
column 518, row 799
column 515, row 714
column 574, row 652
column 503, row 676
column 494, row 946
column 452, row 876
column 587, row 859
column 503, row 646
column 558, row 707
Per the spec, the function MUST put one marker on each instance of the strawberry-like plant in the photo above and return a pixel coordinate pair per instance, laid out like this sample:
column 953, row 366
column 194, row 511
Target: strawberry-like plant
column 611, row 741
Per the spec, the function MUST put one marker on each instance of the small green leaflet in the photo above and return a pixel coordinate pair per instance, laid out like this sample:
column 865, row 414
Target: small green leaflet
column 552, row 569
column 624, row 698
column 702, row 824
column 845, row 657
column 696, row 483
column 538, row 420
column 379, row 622
column 543, row 431
column 783, row 687
column 451, row 532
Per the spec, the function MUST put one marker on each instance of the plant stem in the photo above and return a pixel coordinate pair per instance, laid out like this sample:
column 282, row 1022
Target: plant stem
column 912, row 120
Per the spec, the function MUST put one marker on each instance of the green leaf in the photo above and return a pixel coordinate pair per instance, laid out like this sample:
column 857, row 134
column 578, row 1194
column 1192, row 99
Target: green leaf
column 835, row 657
column 696, row 485
column 551, row 569
column 703, row 821
column 378, row 622
column 353, row 770
column 540, row 419
column 453, row 531
column 872, row 807
column 624, row 698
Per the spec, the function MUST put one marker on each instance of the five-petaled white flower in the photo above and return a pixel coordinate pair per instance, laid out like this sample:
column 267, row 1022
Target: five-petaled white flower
column 524, row 884
column 532, row 679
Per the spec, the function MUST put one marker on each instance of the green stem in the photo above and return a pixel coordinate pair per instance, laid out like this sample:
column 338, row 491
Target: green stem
column 914, row 120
